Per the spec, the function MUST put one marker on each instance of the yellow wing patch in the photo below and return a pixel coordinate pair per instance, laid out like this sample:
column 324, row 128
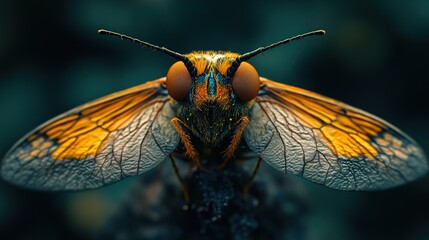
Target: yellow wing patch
column 82, row 132
column 329, row 142
column 98, row 143
column 346, row 130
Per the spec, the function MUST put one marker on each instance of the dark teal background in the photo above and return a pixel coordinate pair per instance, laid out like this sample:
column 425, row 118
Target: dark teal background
column 374, row 56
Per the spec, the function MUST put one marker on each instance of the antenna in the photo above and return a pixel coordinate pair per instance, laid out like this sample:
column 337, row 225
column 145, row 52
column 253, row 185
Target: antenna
column 248, row 55
column 167, row 51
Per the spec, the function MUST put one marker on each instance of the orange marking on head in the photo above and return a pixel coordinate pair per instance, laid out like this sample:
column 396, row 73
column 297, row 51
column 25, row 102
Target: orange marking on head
column 222, row 95
column 199, row 62
column 204, row 61
column 201, row 66
column 223, row 66
column 200, row 95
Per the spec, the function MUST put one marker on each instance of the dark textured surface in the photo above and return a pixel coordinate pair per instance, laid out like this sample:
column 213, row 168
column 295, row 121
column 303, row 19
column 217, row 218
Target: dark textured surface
column 217, row 209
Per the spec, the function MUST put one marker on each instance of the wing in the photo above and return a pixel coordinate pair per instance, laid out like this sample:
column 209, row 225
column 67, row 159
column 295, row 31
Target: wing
column 329, row 142
column 98, row 143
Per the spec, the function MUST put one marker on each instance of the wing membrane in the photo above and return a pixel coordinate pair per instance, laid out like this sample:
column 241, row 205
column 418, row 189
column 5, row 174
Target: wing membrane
column 329, row 142
column 120, row 135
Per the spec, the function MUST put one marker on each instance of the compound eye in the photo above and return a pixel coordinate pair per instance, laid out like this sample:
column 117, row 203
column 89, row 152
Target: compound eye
column 245, row 82
column 179, row 81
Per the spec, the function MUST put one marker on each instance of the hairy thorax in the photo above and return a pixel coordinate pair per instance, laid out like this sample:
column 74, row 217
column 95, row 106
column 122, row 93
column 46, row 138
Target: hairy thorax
column 210, row 122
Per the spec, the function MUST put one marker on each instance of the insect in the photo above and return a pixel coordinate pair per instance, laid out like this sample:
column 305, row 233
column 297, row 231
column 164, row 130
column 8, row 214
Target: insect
column 214, row 106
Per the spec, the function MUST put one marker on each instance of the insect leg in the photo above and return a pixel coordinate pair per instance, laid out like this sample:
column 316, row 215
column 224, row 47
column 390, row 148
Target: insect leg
column 229, row 153
column 250, row 181
column 179, row 177
column 186, row 140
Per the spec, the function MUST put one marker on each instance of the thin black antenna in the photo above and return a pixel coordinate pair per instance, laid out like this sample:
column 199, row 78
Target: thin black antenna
column 167, row 51
column 248, row 55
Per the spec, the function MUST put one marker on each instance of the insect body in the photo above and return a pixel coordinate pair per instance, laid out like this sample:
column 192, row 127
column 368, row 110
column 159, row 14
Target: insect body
column 213, row 110
column 214, row 100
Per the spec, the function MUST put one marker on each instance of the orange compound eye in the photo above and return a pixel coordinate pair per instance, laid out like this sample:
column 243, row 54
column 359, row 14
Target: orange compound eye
column 245, row 82
column 179, row 81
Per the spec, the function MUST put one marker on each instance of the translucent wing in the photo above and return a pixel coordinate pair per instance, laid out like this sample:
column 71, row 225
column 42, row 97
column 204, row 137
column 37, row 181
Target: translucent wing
column 98, row 143
column 329, row 142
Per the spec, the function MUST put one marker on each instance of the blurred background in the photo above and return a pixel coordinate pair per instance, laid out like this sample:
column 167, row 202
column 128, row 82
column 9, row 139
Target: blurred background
column 374, row 57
